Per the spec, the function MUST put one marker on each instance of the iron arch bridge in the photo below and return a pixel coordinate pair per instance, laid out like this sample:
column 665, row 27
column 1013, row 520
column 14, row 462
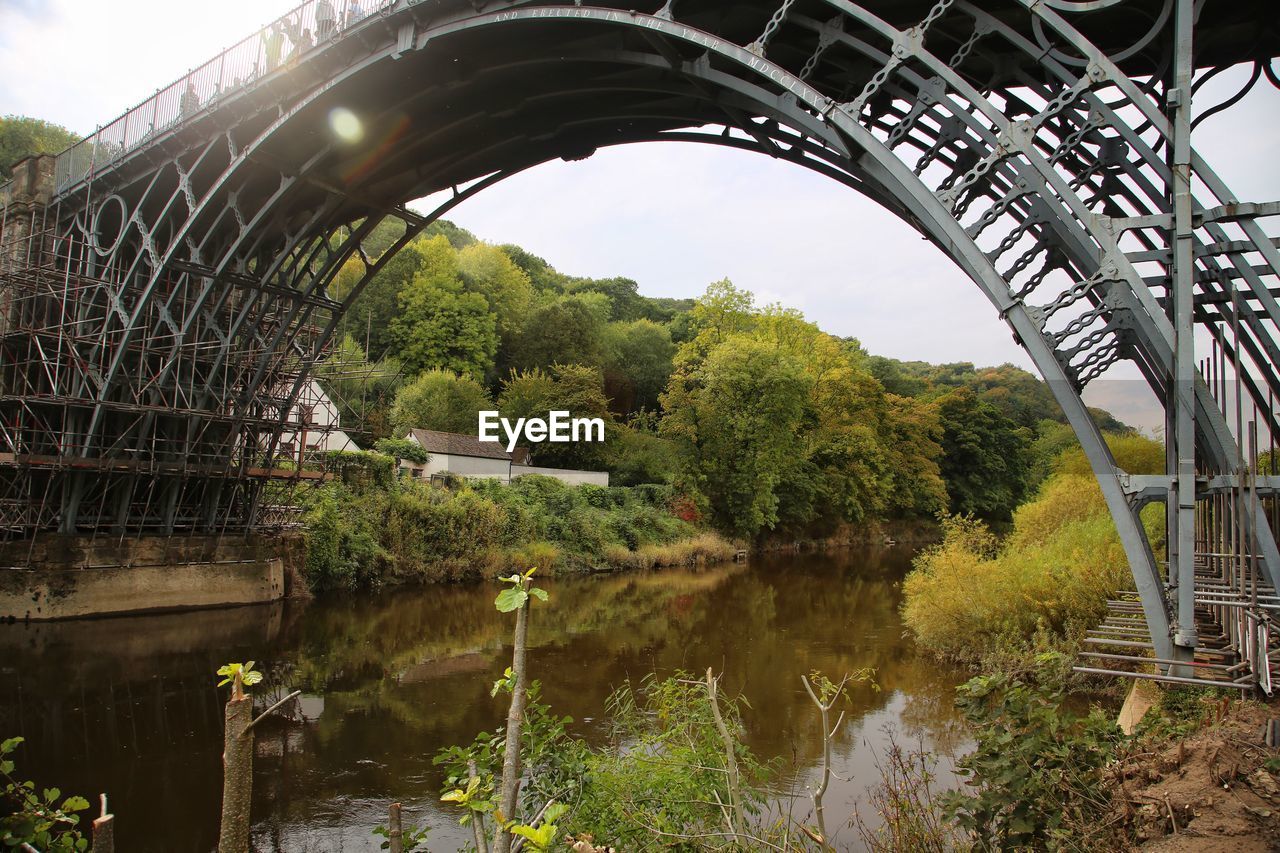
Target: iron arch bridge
column 166, row 285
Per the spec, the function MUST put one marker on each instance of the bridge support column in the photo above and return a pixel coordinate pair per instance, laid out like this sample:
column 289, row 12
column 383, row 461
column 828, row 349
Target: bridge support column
column 1181, row 402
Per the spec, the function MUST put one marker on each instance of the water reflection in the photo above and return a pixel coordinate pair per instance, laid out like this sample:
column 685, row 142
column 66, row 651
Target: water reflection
column 128, row 705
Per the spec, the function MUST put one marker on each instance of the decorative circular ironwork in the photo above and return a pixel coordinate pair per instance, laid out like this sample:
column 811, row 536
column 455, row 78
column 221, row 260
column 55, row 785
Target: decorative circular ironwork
column 1037, row 26
column 109, row 221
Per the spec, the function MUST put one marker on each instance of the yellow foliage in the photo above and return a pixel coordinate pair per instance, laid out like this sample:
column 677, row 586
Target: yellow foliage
column 966, row 599
column 1134, row 453
column 1063, row 499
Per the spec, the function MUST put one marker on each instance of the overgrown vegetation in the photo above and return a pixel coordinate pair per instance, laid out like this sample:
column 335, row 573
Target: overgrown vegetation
column 674, row 773
column 369, row 527
column 1035, row 778
column 974, row 596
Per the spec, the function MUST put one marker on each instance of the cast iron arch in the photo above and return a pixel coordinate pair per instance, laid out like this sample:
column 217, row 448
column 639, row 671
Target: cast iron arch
column 1044, row 165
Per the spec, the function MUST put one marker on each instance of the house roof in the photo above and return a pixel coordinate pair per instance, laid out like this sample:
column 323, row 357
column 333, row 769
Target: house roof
column 456, row 444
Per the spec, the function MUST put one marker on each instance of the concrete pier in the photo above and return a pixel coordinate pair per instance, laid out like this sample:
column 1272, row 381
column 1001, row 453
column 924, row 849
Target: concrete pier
column 69, row 577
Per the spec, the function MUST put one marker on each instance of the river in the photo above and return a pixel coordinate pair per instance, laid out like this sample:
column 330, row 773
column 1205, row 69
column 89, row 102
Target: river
column 129, row 705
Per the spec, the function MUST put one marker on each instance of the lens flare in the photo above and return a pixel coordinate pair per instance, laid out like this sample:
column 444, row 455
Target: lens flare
column 346, row 125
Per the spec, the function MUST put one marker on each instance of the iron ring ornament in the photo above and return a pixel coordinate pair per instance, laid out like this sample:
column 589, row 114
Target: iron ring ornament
column 1158, row 25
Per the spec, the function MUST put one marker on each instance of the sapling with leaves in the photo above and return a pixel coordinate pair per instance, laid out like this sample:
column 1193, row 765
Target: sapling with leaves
column 237, row 754
column 477, row 797
column 36, row 820
column 400, row 838
column 826, row 694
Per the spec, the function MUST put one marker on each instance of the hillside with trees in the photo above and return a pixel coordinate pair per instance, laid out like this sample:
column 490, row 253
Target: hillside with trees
column 762, row 421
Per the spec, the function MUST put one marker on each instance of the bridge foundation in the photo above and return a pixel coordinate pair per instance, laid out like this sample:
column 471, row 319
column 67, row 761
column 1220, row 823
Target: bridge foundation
column 70, row 577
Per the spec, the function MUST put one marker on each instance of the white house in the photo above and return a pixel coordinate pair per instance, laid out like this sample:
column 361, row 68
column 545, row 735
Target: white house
column 460, row 455
column 468, row 456
column 318, row 427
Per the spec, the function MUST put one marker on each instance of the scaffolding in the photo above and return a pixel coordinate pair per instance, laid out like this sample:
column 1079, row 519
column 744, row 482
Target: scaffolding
column 189, row 442
column 1237, row 611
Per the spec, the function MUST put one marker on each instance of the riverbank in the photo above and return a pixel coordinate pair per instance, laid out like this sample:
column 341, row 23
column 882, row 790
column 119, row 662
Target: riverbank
column 1201, row 780
column 368, row 528
column 988, row 600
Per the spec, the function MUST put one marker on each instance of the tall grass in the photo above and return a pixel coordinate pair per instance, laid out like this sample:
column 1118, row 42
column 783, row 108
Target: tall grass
column 972, row 596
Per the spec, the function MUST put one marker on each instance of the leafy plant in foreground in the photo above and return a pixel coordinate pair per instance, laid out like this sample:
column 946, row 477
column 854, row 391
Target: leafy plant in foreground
column 37, row 820
column 1037, row 771
column 248, row 675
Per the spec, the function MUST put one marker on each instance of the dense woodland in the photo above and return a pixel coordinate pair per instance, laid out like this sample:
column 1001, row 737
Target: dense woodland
column 767, row 423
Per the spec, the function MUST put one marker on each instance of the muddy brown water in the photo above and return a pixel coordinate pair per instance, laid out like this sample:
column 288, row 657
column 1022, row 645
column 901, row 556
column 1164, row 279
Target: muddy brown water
column 129, row 705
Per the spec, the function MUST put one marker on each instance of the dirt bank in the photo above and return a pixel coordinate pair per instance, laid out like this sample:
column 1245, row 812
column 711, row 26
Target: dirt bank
column 1206, row 786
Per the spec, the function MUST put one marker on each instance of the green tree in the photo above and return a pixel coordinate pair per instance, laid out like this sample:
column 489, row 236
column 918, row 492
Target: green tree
column 370, row 316
column 638, row 364
column 440, row 324
column 22, row 137
column 912, row 436
column 985, row 456
column 639, row 455
column 573, row 388
column 489, row 271
column 661, row 309
column 542, row 275
column 626, row 303
column 735, row 422
column 722, row 311
column 567, row 330
column 440, row 400
column 459, row 238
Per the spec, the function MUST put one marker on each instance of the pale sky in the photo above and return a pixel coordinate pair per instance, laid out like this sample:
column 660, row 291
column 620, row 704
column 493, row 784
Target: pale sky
column 672, row 217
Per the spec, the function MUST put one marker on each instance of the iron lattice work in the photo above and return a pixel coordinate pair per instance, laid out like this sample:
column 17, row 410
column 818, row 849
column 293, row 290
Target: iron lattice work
column 168, row 284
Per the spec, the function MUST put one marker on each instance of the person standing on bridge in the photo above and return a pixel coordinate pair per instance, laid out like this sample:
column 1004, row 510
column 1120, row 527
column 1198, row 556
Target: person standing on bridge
column 302, row 42
column 354, row 13
column 190, row 101
column 273, row 44
column 326, row 20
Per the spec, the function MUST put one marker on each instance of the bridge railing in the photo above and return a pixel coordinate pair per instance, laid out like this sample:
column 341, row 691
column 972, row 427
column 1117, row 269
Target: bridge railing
column 276, row 48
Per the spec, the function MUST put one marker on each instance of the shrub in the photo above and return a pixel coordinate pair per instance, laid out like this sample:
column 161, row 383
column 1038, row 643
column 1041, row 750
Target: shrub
column 1036, row 774
column 970, row 596
column 358, row 534
column 653, row 494
column 663, row 770
column 33, row 818
column 596, row 496
column 343, row 539
column 402, row 448
column 361, row 469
